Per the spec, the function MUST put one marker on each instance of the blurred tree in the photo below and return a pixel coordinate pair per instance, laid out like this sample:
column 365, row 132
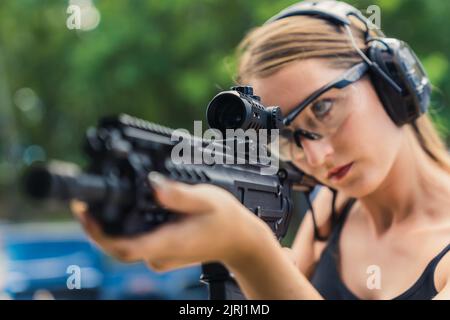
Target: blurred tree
column 159, row 60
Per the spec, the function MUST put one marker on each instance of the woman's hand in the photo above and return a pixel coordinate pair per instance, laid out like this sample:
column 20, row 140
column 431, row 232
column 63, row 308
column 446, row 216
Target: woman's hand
column 215, row 227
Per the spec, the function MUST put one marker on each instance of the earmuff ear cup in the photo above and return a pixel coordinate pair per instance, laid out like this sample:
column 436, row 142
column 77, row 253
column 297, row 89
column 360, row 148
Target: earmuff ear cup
column 406, row 72
column 392, row 101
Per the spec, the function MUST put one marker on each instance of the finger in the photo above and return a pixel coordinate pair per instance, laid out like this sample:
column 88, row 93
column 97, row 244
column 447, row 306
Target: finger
column 165, row 242
column 89, row 225
column 157, row 243
column 77, row 207
column 120, row 248
column 181, row 197
column 171, row 243
column 168, row 265
column 92, row 228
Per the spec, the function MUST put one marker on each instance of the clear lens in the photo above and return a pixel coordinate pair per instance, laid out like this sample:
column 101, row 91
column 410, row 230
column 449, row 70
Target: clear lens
column 323, row 116
column 289, row 150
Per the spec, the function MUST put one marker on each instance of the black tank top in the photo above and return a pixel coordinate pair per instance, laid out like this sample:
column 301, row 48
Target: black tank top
column 327, row 280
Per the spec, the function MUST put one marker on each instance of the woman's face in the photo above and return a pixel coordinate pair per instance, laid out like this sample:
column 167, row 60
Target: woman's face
column 358, row 155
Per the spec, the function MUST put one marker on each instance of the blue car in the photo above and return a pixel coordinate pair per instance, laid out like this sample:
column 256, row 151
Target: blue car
column 56, row 261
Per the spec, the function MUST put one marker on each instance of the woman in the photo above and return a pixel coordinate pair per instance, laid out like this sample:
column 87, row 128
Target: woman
column 391, row 238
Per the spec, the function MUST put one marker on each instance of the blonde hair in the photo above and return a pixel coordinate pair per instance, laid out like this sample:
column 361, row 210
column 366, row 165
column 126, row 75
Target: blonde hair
column 268, row 48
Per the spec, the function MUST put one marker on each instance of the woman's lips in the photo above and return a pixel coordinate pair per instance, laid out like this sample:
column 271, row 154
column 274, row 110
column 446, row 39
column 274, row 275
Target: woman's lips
column 340, row 172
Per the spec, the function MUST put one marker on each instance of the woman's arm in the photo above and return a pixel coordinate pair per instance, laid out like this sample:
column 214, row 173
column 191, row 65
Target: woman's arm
column 268, row 273
column 306, row 250
column 214, row 227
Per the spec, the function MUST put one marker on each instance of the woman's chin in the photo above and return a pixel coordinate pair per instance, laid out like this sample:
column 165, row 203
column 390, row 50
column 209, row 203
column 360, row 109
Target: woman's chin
column 358, row 185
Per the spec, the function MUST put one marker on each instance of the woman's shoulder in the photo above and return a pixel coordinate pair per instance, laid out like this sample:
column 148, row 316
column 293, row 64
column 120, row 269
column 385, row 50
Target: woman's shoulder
column 305, row 245
column 323, row 206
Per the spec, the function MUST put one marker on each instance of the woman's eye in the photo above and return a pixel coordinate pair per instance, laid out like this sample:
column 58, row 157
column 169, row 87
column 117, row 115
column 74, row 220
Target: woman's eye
column 322, row 108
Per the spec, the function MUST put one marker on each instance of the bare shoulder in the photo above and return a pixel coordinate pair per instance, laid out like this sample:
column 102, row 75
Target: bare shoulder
column 442, row 271
column 434, row 234
column 322, row 206
column 305, row 248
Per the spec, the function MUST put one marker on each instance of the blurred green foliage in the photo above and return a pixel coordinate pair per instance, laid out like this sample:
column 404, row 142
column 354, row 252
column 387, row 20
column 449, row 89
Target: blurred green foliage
column 156, row 59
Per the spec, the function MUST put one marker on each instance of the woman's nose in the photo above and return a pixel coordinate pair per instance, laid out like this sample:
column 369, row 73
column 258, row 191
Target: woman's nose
column 317, row 151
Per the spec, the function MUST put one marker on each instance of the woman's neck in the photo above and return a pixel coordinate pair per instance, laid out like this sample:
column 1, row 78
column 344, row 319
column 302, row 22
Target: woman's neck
column 412, row 188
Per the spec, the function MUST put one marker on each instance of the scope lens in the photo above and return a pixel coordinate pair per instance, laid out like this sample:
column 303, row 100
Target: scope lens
column 227, row 111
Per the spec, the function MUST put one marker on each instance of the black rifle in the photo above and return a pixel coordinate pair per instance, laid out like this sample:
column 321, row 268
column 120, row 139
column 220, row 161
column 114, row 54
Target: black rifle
column 123, row 150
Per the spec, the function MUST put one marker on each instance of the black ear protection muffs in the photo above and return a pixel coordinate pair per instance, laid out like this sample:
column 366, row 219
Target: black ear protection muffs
column 396, row 73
